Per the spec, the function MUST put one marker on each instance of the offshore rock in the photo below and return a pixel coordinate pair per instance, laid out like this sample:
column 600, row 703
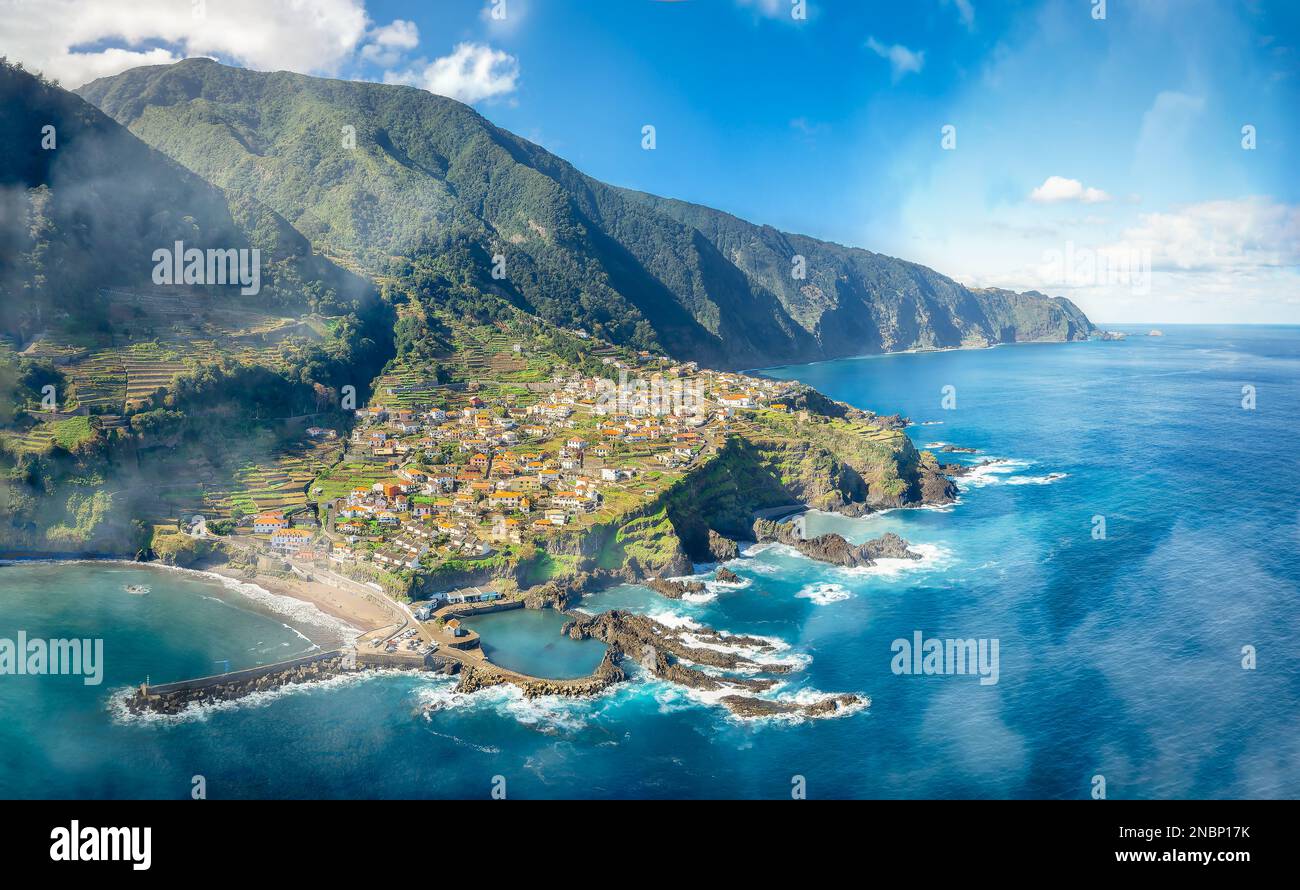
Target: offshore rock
column 674, row 590
column 833, row 548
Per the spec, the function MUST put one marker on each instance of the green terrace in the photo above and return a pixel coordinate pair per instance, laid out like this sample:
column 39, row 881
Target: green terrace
column 339, row 480
column 221, row 478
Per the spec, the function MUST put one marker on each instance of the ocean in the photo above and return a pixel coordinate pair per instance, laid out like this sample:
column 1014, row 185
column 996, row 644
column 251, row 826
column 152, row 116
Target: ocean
column 1131, row 548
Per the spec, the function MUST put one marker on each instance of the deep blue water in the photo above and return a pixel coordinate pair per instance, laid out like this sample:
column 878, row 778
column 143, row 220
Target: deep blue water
column 1119, row 657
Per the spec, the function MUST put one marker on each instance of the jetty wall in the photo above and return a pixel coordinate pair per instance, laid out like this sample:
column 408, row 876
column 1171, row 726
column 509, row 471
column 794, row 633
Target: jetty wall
column 171, row 698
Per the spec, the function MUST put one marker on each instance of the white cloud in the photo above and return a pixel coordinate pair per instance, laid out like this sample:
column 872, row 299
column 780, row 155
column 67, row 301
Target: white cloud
column 771, row 9
column 1216, row 261
column 1253, row 233
column 965, row 11
column 1167, row 121
column 387, row 44
column 74, row 69
column 49, row 35
column 473, row 71
column 1056, row 189
column 1166, row 144
column 902, row 61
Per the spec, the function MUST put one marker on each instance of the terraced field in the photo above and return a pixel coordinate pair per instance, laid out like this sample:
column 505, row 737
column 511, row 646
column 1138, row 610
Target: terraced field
column 491, row 354
column 341, row 479
column 215, row 484
column 413, row 389
column 98, row 382
column 145, row 376
column 34, row 441
column 48, row 431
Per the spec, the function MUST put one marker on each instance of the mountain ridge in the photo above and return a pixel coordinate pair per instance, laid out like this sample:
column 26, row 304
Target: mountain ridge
column 639, row 269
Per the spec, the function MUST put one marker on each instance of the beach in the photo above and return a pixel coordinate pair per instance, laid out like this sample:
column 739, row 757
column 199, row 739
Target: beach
column 361, row 611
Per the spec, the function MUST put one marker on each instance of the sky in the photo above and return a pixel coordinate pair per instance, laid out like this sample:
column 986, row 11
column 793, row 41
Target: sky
column 1136, row 156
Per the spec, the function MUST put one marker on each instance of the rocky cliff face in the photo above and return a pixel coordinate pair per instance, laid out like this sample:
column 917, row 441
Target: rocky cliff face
column 829, row 466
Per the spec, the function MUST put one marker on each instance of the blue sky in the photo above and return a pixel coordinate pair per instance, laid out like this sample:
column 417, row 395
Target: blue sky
column 1099, row 158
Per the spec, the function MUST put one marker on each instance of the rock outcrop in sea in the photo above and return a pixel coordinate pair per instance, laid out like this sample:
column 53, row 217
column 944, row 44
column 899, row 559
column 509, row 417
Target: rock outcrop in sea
column 833, row 548
column 674, row 590
column 672, row 653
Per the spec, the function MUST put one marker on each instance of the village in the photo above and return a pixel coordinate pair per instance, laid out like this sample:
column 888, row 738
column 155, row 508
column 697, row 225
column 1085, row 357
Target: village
column 461, row 473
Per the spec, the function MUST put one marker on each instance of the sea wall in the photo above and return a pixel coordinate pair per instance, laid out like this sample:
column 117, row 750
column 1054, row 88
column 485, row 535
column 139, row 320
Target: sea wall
column 607, row 673
column 171, row 698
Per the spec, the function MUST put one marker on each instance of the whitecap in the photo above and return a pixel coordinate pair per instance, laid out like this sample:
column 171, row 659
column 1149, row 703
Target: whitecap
column 932, row 556
column 673, row 698
column 1037, row 480
column 823, row 593
column 673, row 619
column 988, row 473
column 289, row 607
column 293, row 609
column 201, row 711
column 768, row 651
column 546, row 713
column 804, row 697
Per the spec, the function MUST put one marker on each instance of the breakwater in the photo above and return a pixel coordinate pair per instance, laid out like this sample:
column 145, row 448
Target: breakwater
column 172, row 698
column 474, row 670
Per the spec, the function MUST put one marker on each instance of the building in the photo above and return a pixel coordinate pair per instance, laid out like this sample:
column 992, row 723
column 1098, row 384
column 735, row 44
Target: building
column 506, row 500
column 291, row 540
column 736, row 400
column 269, row 523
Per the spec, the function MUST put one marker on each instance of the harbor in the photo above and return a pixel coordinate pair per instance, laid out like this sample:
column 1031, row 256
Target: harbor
column 433, row 638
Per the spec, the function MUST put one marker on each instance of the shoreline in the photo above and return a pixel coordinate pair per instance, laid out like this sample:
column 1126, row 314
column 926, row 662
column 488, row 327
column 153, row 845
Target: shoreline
column 345, row 616
column 360, row 614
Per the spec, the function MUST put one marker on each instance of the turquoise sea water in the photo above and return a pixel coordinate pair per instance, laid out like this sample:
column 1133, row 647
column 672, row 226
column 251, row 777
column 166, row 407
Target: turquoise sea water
column 530, row 642
column 1119, row 657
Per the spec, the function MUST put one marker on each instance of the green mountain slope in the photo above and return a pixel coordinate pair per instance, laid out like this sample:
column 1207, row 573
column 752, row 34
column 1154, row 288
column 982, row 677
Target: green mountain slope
column 122, row 399
column 430, row 176
column 84, row 205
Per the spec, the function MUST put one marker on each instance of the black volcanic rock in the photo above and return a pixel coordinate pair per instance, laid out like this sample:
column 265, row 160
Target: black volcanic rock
column 833, row 548
column 674, row 590
column 671, row 653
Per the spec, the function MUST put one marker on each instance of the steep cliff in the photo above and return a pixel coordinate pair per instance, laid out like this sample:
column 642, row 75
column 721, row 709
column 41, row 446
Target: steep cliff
column 427, row 175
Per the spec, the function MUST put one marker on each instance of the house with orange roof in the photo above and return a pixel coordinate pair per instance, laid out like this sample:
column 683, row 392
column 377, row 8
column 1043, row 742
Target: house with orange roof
column 290, row 540
column 269, row 522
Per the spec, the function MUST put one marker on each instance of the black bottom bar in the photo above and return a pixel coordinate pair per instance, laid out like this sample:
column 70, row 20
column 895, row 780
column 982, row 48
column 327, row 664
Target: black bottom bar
column 328, row 840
